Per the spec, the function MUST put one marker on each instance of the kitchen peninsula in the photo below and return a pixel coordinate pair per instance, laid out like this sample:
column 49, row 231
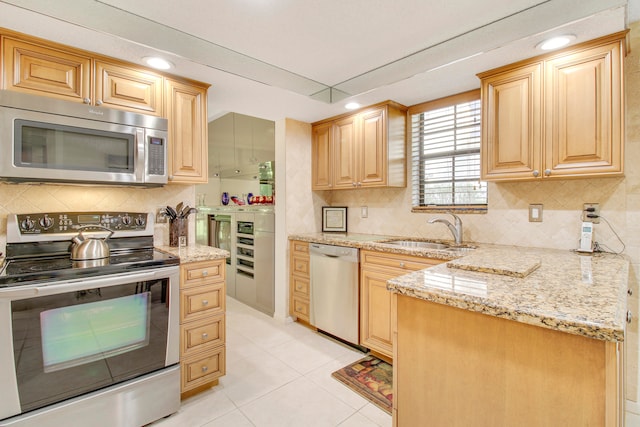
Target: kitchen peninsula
column 495, row 335
column 474, row 344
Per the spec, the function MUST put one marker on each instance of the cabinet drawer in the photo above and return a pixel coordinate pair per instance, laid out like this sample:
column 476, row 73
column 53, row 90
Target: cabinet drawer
column 202, row 335
column 199, row 273
column 202, row 368
column 400, row 262
column 301, row 308
column 301, row 248
column 300, row 265
column 300, row 286
column 201, row 301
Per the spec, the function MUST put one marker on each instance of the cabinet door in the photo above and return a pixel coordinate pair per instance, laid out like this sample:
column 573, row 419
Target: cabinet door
column 584, row 113
column 345, row 145
column 375, row 306
column 128, row 89
column 321, row 161
column 372, row 152
column 511, row 124
column 186, row 110
column 41, row 70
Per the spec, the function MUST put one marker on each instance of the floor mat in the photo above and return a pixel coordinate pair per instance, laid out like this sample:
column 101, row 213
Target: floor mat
column 371, row 378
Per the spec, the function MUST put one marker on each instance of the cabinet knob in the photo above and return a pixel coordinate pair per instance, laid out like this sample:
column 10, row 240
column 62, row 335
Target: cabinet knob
column 359, row 184
column 99, row 102
column 205, row 302
column 629, row 317
column 536, row 173
column 86, row 100
column 354, row 184
column 547, row 172
column 205, row 335
column 402, row 264
column 629, row 292
column 205, row 272
column 205, row 368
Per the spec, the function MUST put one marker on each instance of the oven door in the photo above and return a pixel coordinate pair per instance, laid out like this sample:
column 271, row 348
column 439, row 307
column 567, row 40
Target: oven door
column 69, row 338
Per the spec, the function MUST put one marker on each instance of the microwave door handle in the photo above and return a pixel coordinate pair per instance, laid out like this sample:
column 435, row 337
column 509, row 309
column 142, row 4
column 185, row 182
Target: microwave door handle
column 140, row 154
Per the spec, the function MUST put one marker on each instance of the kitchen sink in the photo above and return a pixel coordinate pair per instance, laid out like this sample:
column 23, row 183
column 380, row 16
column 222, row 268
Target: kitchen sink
column 418, row 244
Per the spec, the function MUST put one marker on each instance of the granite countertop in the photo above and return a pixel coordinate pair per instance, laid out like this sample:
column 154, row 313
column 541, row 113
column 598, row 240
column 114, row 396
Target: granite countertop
column 556, row 289
column 377, row 242
column 196, row 252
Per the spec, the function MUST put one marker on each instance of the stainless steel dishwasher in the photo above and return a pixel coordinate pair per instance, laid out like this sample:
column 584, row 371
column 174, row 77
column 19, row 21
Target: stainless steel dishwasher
column 334, row 290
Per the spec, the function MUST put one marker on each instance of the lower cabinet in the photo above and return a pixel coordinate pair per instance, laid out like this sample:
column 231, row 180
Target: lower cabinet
column 202, row 325
column 299, row 280
column 375, row 300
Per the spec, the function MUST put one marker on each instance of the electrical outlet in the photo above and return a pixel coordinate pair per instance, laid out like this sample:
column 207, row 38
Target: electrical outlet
column 161, row 218
column 535, row 213
column 596, row 211
column 364, row 211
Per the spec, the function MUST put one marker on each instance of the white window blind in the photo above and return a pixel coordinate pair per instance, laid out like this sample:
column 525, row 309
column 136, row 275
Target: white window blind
column 446, row 156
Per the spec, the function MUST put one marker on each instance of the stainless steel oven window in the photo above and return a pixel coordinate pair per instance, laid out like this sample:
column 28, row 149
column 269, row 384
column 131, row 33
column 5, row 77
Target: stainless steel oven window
column 86, row 335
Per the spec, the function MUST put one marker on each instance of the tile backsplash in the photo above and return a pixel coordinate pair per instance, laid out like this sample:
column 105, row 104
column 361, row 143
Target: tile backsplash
column 35, row 198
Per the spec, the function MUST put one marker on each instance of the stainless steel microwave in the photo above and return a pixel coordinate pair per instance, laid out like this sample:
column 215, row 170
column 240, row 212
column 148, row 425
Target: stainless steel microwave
column 49, row 140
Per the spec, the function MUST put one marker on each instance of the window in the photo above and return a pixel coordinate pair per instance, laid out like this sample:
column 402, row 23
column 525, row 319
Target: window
column 445, row 142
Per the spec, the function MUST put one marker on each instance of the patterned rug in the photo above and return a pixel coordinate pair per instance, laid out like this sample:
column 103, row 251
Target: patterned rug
column 371, row 378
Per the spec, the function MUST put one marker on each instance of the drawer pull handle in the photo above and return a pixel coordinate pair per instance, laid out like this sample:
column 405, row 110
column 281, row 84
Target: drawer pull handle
column 205, row 368
column 629, row 292
column 402, row 264
column 205, row 273
column 629, row 317
column 205, row 302
column 205, row 335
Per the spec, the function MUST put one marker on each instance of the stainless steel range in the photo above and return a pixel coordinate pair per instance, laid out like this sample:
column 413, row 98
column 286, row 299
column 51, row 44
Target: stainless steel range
column 93, row 339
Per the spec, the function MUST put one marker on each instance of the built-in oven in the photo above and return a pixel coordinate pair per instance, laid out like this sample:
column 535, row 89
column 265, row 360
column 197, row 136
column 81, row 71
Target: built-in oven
column 83, row 342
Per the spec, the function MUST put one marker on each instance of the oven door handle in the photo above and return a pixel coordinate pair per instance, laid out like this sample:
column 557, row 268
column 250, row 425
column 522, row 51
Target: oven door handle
column 83, row 284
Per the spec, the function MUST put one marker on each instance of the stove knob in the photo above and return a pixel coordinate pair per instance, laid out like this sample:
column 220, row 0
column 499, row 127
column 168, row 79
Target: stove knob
column 46, row 222
column 126, row 220
column 140, row 221
column 27, row 224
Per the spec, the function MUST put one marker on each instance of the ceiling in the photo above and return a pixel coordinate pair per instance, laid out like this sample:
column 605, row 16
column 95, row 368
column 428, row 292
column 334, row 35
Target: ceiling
column 304, row 59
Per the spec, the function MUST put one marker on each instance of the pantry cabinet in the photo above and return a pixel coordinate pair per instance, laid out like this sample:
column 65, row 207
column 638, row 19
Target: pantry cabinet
column 365, row 149
column 376, row 315
column 556, row 116
column 202, row 325
column 49, row 69
column 299, row 280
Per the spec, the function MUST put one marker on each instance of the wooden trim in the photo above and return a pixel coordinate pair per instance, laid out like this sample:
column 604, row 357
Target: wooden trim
column 362, row 110
column 471, row 95
column 619, row 36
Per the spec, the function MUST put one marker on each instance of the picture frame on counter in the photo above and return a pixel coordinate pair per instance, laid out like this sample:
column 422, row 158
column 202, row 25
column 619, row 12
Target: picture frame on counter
column 334, row 218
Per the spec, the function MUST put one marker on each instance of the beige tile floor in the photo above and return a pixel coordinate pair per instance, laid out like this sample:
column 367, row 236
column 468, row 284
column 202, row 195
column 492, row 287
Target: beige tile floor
column 278, row 375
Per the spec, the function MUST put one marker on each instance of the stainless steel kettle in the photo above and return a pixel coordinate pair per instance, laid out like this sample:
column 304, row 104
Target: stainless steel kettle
column 83, row 248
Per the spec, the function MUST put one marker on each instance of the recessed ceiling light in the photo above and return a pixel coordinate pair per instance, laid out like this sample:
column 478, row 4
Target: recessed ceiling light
column 352, row 106
column 156, row 62
column 556, row 42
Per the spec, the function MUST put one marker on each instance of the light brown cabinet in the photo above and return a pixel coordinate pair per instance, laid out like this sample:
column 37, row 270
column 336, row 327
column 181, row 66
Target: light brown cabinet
column 556, row 116
column 299, row 279
column 375, row 300
column 43, row 68
column 186, row 110
column 202, row 325
column 47, row 70
column 456, row 367
column 365, row 149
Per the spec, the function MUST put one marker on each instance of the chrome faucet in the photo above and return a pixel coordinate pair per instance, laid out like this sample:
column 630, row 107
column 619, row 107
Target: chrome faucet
column 455, row 230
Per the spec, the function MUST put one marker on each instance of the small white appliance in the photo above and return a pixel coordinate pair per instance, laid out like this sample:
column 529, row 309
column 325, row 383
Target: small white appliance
column 586, row 237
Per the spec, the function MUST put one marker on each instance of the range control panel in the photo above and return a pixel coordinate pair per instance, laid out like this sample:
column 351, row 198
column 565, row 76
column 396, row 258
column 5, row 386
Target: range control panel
column 64, row 222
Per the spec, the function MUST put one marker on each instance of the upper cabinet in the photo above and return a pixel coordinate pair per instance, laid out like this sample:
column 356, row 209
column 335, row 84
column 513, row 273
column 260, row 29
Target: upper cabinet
column 43, row 68
column 556, row 116
column 364, row 149
column 186, row 108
